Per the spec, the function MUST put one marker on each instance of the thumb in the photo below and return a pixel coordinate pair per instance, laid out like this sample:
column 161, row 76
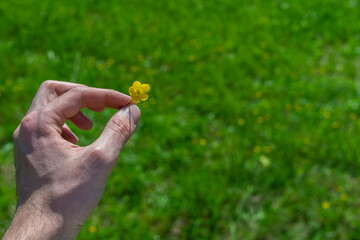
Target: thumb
column 118, row 130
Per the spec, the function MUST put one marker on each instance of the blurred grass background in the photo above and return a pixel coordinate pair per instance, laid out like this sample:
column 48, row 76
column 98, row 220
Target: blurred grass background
column 252, row 126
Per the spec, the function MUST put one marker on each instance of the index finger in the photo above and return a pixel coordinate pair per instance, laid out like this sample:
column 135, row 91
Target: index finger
column 71, row 102
column 49, row 90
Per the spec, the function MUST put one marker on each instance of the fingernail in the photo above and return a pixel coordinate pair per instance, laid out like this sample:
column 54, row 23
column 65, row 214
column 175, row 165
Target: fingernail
column 133, row 112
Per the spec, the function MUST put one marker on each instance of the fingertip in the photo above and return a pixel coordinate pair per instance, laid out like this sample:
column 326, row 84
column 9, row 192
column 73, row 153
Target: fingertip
column 69, row 136
column 82, row 121
column 133, row 112
column 89, row 125
column 97, row 109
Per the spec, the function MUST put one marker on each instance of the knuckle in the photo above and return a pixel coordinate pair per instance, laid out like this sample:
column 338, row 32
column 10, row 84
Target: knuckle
column 46, row 111
column 48, row 84
column 77, row 90
column 29, row 121
column 121, row 127
column 16, row 134
column 98, row 155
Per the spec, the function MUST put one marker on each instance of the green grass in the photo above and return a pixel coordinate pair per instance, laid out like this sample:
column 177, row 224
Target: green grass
column 253, row 121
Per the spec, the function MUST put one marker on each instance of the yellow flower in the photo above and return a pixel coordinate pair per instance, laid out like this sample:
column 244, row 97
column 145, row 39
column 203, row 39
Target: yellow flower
column 267, row 149
column 344, row 197
column 92, row 229
column 257, row 149
column 202, row 141
column 325, row 205
column 335, row 125
column 307, row 141
column 138, row 91
column 326, row 114
column 241, row 121
column 352, row 116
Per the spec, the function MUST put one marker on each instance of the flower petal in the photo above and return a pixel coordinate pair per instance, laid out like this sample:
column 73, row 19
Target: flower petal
column 132, row 91
column 136, row 85
column 135, row 98
column 144, row 97
column 145, row 88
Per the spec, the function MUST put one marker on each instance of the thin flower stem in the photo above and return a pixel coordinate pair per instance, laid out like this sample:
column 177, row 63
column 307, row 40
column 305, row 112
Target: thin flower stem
column 129, row 119
column 129, row 103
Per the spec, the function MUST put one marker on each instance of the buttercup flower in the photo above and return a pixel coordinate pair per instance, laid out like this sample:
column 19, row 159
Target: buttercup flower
column 138, row 91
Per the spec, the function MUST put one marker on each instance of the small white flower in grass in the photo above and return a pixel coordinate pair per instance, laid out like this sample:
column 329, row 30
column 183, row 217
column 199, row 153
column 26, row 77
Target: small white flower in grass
column 265, row 161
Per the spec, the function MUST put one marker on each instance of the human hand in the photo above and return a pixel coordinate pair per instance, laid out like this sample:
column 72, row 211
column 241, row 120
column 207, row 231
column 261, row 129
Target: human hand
column 59, row 183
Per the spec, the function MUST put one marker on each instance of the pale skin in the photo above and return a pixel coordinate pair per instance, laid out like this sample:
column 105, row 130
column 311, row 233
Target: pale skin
column 59, row 183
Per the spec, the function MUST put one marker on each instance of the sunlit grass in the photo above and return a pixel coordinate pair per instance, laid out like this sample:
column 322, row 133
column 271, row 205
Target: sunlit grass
column 251, row 128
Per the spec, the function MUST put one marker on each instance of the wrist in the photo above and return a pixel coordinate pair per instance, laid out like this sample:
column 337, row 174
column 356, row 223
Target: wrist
column 32, row 221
